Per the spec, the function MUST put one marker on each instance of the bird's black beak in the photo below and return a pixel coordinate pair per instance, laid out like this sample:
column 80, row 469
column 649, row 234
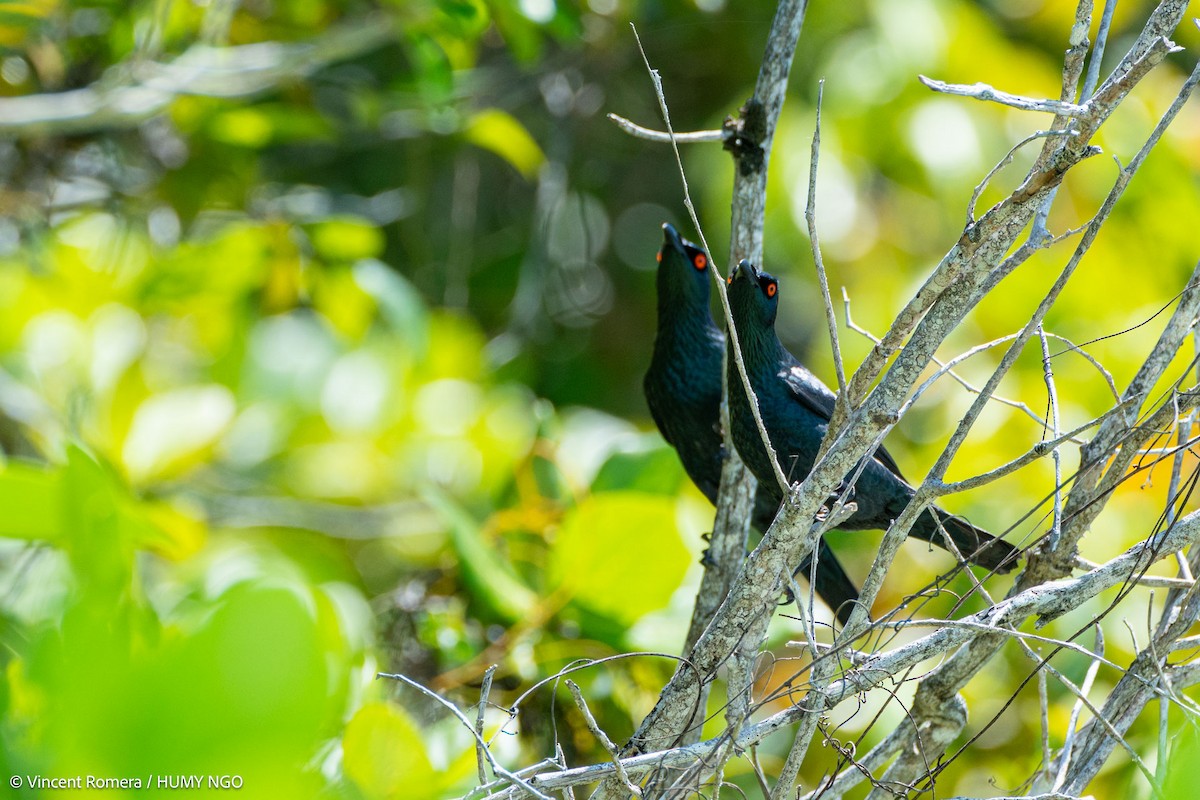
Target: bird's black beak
column 744, row 267
column 671, row 238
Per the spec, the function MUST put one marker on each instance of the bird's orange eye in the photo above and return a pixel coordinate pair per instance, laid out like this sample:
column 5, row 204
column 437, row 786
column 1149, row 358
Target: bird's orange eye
column 772, row 288
column 658, row 257
column 700, row 261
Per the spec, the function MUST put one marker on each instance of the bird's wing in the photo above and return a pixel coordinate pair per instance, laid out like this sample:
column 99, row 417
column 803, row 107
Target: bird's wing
column 650, row 389
column 809, row 391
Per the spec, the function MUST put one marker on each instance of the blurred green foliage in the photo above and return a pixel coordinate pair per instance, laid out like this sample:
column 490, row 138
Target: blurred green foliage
column 342, row 374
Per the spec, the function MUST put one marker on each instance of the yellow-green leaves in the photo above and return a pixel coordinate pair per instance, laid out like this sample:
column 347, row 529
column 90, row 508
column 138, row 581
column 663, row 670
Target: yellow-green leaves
column 385, row 755
column 491, row 579
column 31, row 497
column 175, row 429
column 619, row 554
column 347, row 239
column 501, row 133
column 65, row 506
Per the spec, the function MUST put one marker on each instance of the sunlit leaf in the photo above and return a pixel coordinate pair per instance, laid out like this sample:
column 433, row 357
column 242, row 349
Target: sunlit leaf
column 172, row 427
column 491, row 579
column 501, row 133
column 385, row 755
column 162, row 528
column 435, row 81
column 92, row 526
column 40, row 502
column 347, row 239
column 342, row 301
column 247, row 127
column 656, row 471
column 32, row 499
column 619, row 554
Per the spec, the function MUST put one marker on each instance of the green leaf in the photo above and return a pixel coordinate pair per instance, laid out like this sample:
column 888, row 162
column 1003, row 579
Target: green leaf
column 245, row 127
column 60, row 505
column 435, row 80
column 385, row 755
column 174, row 430
column 32, row 499
column 655, row 471
column 102, row 557
column 491, row 579
column 347, row 239
column 500, row 132
column 620, row 554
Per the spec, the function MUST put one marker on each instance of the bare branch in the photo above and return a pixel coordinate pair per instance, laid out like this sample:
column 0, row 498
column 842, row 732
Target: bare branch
column 480, row 745
column 602, row 737
column 148, row 88
column 982, row 91
column 667, row 137
column 810, row 216
column 498, row 770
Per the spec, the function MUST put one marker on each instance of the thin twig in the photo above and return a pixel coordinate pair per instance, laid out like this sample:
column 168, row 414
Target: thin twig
column 982, row 91
column 480, row 746
column 1004, row 162
column 1052, row 411
column 970, row 387
column 810, row 216
column 453, row 709
column 602, row 737
column 1073, row 722
column 667, row 137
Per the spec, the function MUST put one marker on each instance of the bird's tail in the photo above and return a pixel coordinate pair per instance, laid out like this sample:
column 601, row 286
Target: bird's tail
column 975, row 545
column 831, row 583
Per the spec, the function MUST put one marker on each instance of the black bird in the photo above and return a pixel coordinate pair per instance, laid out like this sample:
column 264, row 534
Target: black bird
column 796, row 408
column 683, row 390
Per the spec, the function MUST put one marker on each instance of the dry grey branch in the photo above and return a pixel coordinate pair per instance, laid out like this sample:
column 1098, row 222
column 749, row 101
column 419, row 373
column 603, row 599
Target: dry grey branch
column 497, row 770
column 981, row 91
column 601, row 737
column 810, row 217
column 748, row 212
column 135, row 92
column 480, row 745
column 666, row 137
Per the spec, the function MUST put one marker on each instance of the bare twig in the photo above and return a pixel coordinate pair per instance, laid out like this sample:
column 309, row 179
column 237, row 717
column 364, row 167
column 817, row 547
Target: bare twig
column 1073, row 722
column 602, row 737
column 1052, row 413
column 810, row 216
column 149, row 88
column 498, row 770
column 480, row 745
column 667, row 137
column 982, row 91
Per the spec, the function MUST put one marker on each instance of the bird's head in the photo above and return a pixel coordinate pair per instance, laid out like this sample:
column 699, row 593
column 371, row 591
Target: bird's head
column 753, row 297
column 683, row 270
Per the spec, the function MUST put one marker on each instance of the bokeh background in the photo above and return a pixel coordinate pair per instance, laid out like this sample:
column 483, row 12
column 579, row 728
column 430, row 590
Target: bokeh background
column 333, row 367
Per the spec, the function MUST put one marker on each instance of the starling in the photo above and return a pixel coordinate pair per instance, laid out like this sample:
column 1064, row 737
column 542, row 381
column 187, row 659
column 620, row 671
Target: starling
column 796, row 408
column 683, row 391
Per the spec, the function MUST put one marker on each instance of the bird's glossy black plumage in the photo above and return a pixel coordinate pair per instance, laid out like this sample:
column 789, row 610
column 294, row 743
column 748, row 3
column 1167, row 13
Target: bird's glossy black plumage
column 683, row 391
column 796, row 408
